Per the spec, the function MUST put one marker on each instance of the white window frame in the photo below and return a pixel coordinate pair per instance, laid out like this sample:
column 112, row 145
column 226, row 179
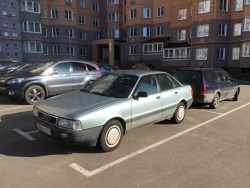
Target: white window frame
column 53, row 14
column 81, row 3
column 181, row 34
column 5, row 25
column 247, row 2
column 46, row 33
column 30, row 27
column 69, row 33
column 203, row 30
column 5, row 34
column 83, row 52
column 82, row 20
column 201, row 53
column 55, row 32
column 246, row 49
column 27, row 47
column 182, row 14
column 3, row 3
column 70, row 50
column 204, row 7
column 132, row 32
column 14, row 35
column 146, row 13
column 246, row 26
column 56, row 50
column 222, row 30
column 96, row 22
column 113, row 2
column 83, row 36
column 114, row 33
column 13, row 14
column 152, row 48
column 224, row 5
column 96, row 6
column 114, row 17
column 221, row 53
column 146, row 31
column 68, row 14
column 236, row 53
column 43, row 13
column 124, row 2
column 25, row 7
column 237, row 29
column 96, row 36
column 132, row 50
column 177, row 53
column 159, row 12
column 132, row 14
column 238, row 5
column 160, row 29
column 4, row 13
column 46, row 52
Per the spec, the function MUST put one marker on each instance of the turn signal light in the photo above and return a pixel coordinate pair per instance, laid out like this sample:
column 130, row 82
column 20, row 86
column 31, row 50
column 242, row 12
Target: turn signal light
column 191, row 92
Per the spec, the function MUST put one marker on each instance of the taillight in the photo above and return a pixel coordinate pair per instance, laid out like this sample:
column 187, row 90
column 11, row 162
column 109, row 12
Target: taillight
column 100, row 73
column 203, row 90
column 147, row 68
column 191, row 92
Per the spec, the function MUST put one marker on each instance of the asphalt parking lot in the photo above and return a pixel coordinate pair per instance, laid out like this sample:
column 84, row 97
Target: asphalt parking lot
column 211, row 148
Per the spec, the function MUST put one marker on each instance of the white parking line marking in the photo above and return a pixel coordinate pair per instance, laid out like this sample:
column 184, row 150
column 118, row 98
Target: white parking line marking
column 105, row 167
column 32, row 132
column 209, row 111
column 24, row 134
column 15, row 108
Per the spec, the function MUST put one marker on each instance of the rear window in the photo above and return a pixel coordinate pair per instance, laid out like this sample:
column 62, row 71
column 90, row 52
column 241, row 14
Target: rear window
column 188, row 76
column 209, row 76
column 90, row 67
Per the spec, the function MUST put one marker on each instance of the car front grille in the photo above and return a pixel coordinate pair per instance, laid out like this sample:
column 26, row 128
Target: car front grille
column 47, row 118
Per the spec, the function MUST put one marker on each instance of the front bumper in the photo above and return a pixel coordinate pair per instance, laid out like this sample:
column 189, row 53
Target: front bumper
column 87, row 137
column 12, row 92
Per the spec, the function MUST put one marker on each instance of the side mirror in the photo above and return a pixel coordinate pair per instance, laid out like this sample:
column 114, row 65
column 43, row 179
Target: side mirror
column 52, row 72
column 142, row 94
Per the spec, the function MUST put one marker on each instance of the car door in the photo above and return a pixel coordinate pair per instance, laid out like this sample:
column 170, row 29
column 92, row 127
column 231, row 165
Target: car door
column 231, row 84
column 60, row 81
column 221, row 84
column 169, row 94
column 146, row 110
column 79, row 75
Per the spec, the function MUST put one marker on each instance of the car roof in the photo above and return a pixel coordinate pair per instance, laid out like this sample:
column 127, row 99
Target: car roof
column 199, row 68
column 137, row 72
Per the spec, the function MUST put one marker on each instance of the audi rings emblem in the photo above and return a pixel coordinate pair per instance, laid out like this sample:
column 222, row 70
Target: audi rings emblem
column 45, row 117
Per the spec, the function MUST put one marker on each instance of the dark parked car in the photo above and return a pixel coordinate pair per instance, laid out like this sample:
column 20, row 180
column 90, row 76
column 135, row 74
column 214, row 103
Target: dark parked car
column 48, row 78
column 14, row 67
column 210, row 85
column 7, row 62
column 107, row 67
column 143, row 66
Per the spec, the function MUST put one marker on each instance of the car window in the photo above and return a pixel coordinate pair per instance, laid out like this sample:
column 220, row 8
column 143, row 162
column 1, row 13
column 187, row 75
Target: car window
column 164, row 82
column 208, row 75
column 78, row 67
column 106, row 68
column 188, row 76
column 62, row 67
column 147, row 84
column 115, row 68
column 90, row 67
column 227, row 76
column 219, row 76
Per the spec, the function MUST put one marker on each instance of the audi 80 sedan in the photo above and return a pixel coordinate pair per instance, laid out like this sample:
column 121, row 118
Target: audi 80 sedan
column 111, row 106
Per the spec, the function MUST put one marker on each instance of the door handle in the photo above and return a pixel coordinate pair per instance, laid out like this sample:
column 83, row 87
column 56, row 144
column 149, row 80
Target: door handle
column 67, row 74
column 158, row 97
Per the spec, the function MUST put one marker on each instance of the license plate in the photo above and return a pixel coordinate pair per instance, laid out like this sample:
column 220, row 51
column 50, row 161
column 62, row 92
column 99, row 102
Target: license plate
column 44, row 129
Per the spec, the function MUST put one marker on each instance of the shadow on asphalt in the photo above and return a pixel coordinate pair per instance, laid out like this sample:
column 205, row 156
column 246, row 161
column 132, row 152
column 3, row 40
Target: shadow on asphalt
column 8, row 101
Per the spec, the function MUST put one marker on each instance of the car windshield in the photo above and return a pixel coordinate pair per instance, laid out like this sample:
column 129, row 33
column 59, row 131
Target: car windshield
column 11, row 67
column 22, row 68
column 39, row 67
column 113, row 85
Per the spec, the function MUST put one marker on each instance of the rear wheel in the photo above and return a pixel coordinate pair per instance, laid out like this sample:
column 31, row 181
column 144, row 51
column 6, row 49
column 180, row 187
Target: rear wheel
column 236, row 95
column 215, row 103
column 34, row 94
column 179, row 114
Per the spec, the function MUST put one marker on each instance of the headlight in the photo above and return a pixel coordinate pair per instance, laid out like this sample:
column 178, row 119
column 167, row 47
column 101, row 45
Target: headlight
column 35, row 112
column 16, row 80
column 68, row 124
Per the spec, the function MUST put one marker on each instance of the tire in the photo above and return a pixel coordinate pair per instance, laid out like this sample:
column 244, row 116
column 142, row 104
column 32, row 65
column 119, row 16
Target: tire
column 34, row 94
column 111, row 136
column 215, row 103
column 179, row 114
column 236, row 95
column 88, row 83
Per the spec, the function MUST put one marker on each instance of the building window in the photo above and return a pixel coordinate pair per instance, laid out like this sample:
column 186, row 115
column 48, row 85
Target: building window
column 15, row 45
column 55, row 32
column 146, row 13
column 204, row 7
column 70, row 51
column 13, row 14
column 5, row 25
column 247, row 24
column 237, row 29
column 7, row 45
column 6, row 34
column 56, row 50
column 68, row 15
column 96, row 22
column 223, row 5
column 96, row 36
column 124, row 2
column 181, row 34
column 235, row 53
column 54, row 14
column 182, row 14
column 43, row 13
column 16, row 54
column 45, row 50
column 153, row 48
column 83, row 52
column 247, row 1
column 239, row 5
column 132, row 50
column 81, row 19
column 115, row 33
column 70, row 33
column 246, row 49
column 132, row 14
column 83, row 36
column 30, row 6
column 14, row 35
column 95, row 6
column 4, row 13
column 12, row 4
column 201, row 54
column 160, row 12
column 113, row 17
column 221, row 53
column 3, row 3
column 69, row 1
column 81, row 3
column 13, row 26
column 124, row 19
column 176, row 53
column 222, row 30
column 202, row 30
column 44, row 32
column 132, row 32
column 33, row 47
column 159, row 31
column 146, row 31
column 32, row 27
column 7, row 54
column 112, row 2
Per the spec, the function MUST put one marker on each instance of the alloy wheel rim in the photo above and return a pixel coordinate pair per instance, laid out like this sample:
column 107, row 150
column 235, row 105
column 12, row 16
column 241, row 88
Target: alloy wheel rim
column 113, row 136
column 35, row 95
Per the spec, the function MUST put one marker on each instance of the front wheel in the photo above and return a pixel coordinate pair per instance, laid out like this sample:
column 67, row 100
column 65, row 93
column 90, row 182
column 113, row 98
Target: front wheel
column 215, row 103
column 34, row 94
column 179, row 114
column 111, row 136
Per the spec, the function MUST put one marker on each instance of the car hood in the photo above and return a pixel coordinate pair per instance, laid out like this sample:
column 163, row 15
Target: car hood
column 72, row 104
column 15, row 75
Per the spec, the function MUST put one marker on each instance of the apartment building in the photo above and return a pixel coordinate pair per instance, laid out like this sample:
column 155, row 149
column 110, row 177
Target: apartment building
column 167, row 33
